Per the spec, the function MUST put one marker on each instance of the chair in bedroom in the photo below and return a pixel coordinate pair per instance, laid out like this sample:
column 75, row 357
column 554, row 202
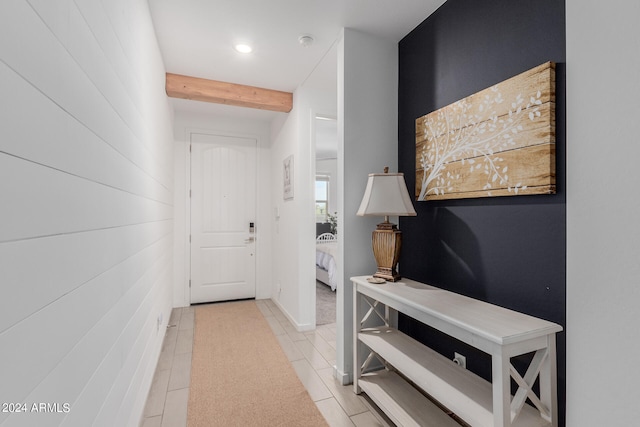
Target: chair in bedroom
column 326, row 237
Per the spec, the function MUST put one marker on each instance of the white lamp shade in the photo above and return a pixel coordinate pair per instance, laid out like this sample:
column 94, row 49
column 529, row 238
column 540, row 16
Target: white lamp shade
column 386, row 195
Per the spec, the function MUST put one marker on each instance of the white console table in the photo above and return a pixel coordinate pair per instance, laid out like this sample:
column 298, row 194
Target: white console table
column 500, row 332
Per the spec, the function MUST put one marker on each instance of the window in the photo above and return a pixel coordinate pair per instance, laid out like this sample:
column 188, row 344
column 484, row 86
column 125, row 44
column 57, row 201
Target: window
column 322, row 197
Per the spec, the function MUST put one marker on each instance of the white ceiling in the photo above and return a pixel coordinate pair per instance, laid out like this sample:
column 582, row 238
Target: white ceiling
column 196, row 38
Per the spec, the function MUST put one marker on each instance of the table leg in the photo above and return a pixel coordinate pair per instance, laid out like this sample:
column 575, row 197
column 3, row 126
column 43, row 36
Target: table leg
column 357, row 302
column 549, row 382
column 501, row 383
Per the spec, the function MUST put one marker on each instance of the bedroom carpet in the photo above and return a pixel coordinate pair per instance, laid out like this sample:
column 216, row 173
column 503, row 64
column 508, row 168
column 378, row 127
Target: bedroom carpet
column 239, row 374
column 325, row 304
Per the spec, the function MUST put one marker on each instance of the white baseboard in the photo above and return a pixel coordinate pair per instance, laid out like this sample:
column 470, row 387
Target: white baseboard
column 300, row 327
column 342, row 377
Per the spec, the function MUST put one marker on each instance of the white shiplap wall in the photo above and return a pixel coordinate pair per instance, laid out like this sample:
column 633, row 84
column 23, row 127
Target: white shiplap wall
column 86, row 194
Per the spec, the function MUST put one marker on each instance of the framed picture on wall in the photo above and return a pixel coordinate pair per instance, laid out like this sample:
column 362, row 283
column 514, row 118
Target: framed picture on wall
column 500, row 141
column 288, row 178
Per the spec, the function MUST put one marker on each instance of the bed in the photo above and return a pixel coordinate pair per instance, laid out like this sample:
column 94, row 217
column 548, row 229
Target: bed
column 326, row 269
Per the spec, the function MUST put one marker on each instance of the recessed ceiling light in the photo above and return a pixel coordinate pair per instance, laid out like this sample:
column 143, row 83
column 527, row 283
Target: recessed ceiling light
column 243, row 48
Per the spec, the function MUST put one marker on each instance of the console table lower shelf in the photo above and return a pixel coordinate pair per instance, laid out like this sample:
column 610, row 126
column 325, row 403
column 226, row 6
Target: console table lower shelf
column 448, row 383
column 413, row 369
column 402, row 403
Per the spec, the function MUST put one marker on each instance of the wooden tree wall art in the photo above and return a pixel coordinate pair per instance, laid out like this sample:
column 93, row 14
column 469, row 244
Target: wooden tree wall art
column 497, row 142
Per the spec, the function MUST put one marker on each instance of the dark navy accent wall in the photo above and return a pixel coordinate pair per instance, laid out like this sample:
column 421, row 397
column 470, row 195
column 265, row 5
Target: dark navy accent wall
column 509, row 251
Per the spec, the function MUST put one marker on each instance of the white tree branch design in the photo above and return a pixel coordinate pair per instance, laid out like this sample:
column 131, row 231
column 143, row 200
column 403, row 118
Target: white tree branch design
column 473, row 134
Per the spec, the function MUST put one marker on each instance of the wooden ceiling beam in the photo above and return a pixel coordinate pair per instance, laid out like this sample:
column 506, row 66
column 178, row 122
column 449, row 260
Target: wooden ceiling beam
column 185, row 87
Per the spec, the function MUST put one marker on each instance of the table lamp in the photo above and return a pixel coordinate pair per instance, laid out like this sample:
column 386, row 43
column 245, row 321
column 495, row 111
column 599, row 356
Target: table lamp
column 386, row 195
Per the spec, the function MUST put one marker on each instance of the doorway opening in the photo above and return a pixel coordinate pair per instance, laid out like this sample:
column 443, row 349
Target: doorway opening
column 327, row 232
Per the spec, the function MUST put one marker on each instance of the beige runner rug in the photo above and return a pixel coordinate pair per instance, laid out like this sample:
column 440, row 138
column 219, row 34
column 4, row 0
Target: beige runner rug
column 239, row 374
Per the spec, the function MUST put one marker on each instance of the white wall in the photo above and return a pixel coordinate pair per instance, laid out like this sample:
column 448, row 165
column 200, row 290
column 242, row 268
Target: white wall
column 185, row 123
column 285, row 220
column 367, row 141
column 603, row 232
column 86, row 209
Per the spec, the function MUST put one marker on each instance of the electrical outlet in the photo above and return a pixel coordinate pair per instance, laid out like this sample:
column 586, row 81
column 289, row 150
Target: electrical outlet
column 459, row 359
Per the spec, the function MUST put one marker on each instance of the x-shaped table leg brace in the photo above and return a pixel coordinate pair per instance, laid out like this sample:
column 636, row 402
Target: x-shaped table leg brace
column 368, row 360
column 525, row 383
column 371, row 311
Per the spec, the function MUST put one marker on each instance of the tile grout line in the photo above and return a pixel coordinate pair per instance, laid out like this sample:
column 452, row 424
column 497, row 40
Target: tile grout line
column 280, row 326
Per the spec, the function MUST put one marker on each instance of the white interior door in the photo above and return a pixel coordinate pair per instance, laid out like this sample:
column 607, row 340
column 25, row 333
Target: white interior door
column 223, row 206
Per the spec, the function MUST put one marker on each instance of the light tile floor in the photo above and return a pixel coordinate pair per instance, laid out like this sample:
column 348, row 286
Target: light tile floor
column 312, row 355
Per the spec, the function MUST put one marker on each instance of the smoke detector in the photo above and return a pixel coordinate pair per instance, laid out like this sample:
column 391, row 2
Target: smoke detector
column 305, row 40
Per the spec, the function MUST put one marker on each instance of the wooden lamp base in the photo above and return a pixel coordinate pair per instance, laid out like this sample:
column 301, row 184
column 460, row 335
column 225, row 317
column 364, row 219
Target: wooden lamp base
column 386, row 241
